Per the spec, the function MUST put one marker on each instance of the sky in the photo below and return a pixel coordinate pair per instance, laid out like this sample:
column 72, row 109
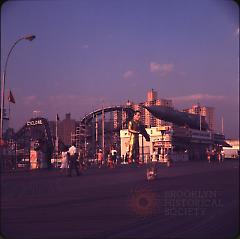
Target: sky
column 89, row 53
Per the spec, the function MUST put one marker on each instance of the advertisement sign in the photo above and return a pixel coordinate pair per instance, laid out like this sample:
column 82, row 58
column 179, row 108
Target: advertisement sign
column 34, row 122
column 33, row 159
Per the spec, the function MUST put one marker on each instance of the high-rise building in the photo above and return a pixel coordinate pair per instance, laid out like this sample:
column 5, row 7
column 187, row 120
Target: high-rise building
column 66, row 128
column 165, row 103
column 146, row 117
column 149, row 119
column 151, row 95
column 206, row 111
column 152, row 99
column 209, row 114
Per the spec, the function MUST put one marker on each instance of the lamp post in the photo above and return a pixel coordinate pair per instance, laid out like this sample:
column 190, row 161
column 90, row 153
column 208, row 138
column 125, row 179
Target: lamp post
column 163, row 143
column 29, row 38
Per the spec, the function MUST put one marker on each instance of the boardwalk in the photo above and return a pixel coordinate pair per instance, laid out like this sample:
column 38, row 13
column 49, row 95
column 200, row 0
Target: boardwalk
column 188, row 200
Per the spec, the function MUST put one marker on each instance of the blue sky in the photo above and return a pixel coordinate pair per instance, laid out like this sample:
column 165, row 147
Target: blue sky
column 93, row 52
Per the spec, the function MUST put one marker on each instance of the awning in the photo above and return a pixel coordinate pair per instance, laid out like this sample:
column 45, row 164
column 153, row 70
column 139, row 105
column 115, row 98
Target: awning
column 223, row 143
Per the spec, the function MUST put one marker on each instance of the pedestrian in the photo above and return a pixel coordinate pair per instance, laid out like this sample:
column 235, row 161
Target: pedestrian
column 209, row 156
column 169, row 159
column 155, row 155
column 219, row 157
column 73, row 160
column 223, row 155
column 82, row 164
column 38, row 153
column 154, row 161
column 114, row 156
column 64, row 162
column 126, row 158
column 100, row 158
column 110, row 161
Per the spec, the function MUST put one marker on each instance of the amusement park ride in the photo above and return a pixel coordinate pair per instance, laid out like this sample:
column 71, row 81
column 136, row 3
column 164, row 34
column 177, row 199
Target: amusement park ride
column 36, row 133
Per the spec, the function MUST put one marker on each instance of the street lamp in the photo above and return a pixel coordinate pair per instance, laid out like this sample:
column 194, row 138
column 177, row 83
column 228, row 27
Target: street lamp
column 29, row 38
column 163, row 131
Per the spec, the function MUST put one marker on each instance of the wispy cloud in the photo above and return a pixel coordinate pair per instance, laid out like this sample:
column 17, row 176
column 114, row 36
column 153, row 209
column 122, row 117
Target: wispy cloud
column 198, row 96
column 70, row 98
column 161, row 69
column 128, row 74
column 75, row 100
column 86, row 46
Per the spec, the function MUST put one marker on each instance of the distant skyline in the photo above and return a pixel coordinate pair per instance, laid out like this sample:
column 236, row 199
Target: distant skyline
column 93, row 52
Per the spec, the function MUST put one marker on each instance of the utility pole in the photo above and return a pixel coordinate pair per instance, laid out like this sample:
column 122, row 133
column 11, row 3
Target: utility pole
column 96, row 129
column 56, row 142
column 200, row 122
column 122, row 118
column 2, row 108
column 200, row 117
column 85, row 138
column 103, row 142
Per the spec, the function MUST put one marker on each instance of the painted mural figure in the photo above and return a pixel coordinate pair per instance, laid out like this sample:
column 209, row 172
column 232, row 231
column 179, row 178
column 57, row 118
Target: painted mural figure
column 135, row 128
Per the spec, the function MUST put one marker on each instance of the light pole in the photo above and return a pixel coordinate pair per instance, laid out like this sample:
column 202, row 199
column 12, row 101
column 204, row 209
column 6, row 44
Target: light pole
column 142, row 151
column 29, row 38
column 163, row 143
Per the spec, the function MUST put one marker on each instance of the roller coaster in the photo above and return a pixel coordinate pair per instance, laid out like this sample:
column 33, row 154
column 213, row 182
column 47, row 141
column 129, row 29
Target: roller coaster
column 93, row 134
column 94, row 131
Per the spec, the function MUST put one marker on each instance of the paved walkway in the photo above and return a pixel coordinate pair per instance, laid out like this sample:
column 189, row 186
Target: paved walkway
column 188, row 200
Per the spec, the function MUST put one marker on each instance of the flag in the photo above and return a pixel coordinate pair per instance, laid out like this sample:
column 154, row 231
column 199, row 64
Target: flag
column 57, row 117
column 11, row 98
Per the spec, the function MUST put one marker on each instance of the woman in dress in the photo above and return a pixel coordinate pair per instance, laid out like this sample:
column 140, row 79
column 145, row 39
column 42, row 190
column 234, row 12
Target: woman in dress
column 64, row 163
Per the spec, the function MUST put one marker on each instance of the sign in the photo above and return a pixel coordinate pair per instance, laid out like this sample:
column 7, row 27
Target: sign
column 162, row 144
column 166, row 128
column 34, row 122
column 33, row 159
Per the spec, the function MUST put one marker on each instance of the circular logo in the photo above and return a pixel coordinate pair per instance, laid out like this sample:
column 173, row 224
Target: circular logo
column 143, row 202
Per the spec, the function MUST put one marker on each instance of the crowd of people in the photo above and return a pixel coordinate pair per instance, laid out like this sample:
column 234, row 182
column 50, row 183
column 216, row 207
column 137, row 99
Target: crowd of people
column 73, row 160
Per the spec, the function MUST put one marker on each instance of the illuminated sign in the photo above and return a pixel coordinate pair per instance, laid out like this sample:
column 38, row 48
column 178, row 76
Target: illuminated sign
column 34, row 122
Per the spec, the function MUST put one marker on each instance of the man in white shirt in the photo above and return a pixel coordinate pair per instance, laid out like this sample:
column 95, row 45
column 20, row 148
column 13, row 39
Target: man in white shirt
column 72, row 150
column 73, row 160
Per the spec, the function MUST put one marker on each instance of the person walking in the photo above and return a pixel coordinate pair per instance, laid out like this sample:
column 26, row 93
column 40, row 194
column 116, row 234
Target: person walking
column 73, row 160
column 114, row 156
column 209, row 156
column 126, row 158
column 100, row 158
column 154, row 161
column 110, row 161
column 81, row 160
column 223, row 155
column 64, row 162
